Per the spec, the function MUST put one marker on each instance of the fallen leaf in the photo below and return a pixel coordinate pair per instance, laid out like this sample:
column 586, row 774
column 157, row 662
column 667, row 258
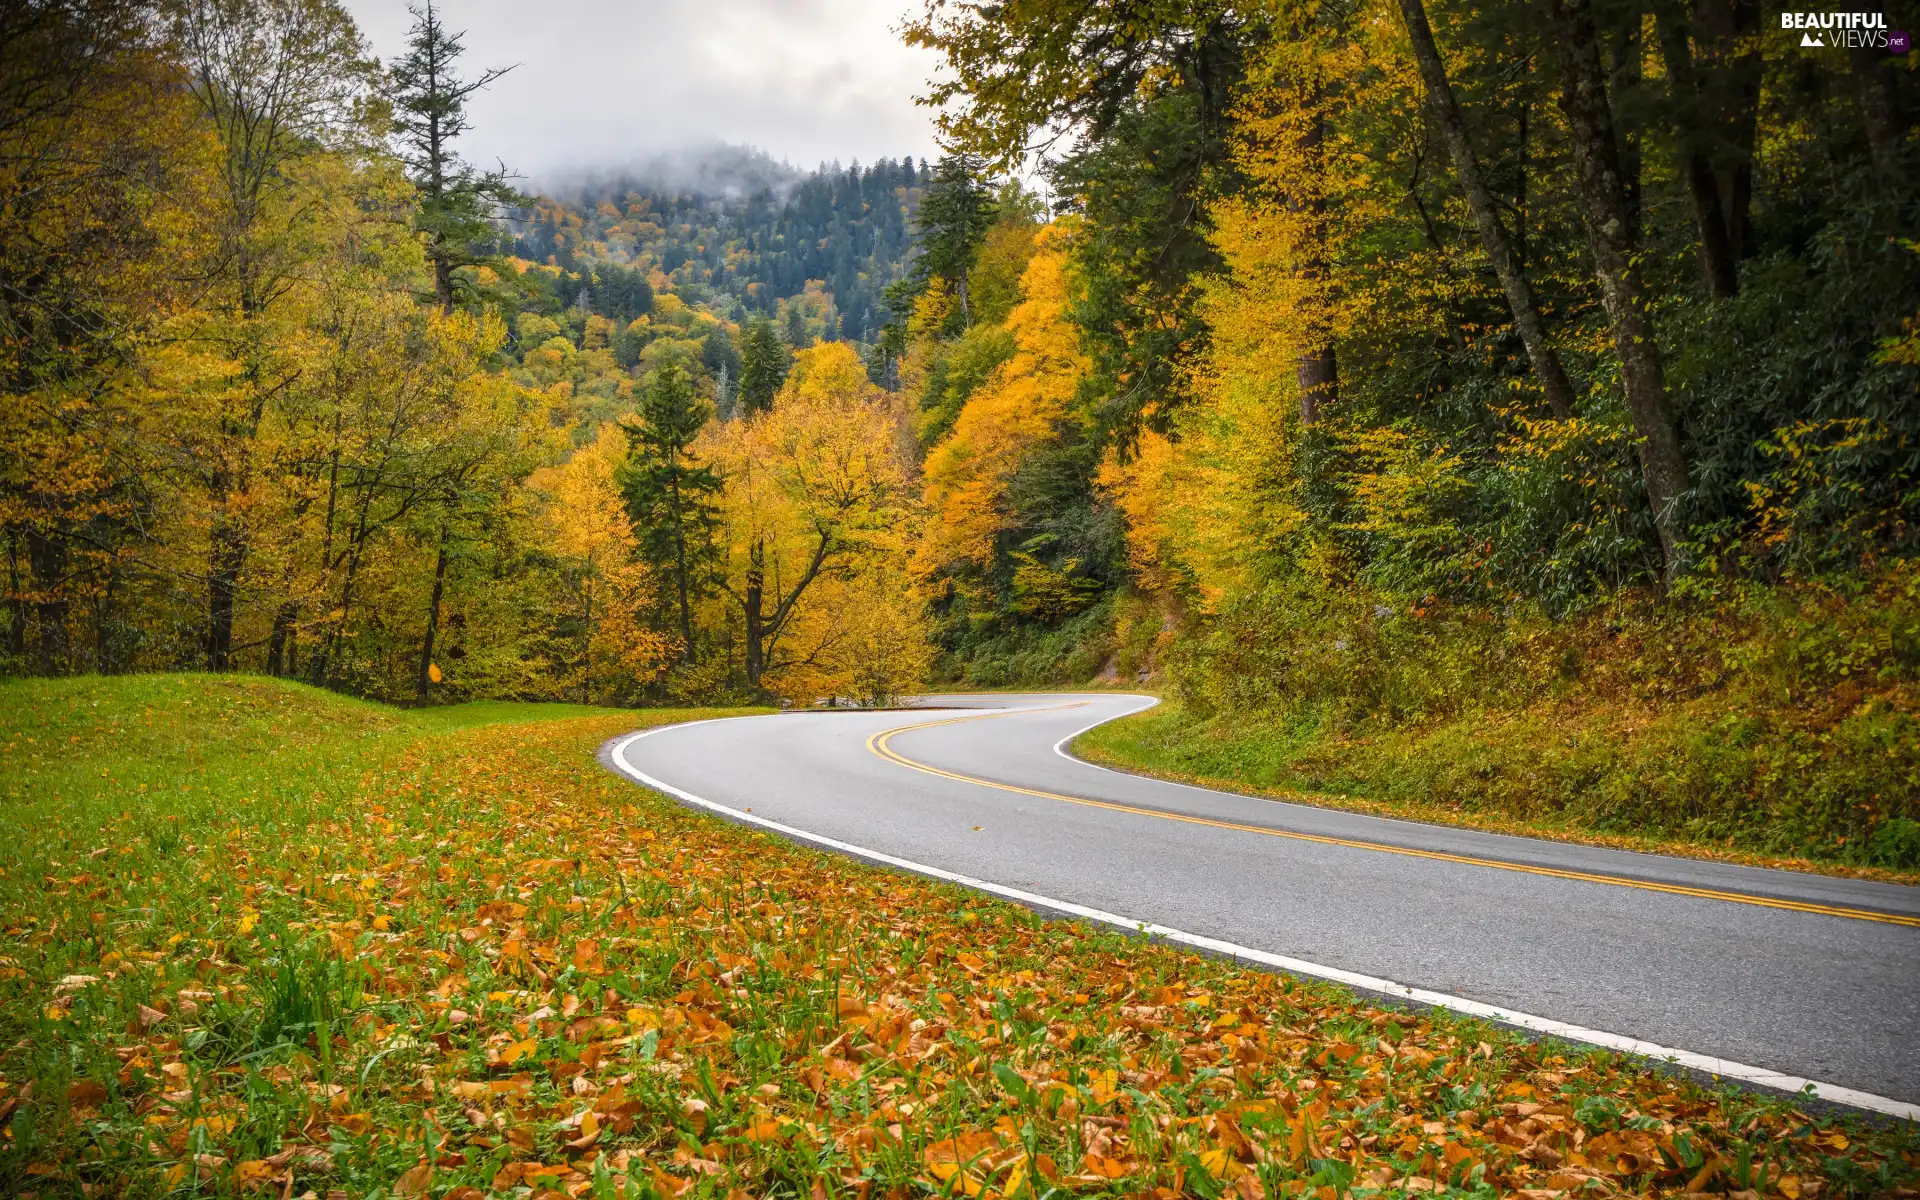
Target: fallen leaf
column 86, row 1093
column 414, row 1181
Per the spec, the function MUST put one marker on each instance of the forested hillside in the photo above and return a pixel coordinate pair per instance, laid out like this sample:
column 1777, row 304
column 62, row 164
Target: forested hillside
column 1509, row 406
column 743, row 234
column 291, row 387
column 1504, row 409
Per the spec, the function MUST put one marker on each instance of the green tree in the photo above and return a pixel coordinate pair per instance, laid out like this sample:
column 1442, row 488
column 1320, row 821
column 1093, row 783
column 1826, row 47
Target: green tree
column 955, row 214
column 669, row 494
column 763, row 366
column 457, row 202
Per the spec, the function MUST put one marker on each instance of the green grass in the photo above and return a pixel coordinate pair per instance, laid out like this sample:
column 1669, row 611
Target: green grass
column 1767, row 722
column 1583, row 775
column 196, row 733
column 264, row 940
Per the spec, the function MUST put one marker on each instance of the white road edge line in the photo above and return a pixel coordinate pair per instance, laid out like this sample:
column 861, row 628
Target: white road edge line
column 1758, row 1076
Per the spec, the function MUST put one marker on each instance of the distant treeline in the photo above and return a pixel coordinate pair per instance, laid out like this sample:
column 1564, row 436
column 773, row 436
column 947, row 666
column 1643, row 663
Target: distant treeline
column 848, row 228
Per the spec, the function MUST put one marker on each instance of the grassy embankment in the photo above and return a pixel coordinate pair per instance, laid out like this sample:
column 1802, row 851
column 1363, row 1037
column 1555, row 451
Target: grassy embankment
column 263, row 939
column 1771, row 725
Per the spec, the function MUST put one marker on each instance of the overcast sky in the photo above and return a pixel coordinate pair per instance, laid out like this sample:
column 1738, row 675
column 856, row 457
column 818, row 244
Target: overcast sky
column 608, row 82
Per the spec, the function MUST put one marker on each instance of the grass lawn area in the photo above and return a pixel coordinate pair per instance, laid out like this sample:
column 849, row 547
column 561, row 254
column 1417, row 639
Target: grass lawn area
column 263, row 940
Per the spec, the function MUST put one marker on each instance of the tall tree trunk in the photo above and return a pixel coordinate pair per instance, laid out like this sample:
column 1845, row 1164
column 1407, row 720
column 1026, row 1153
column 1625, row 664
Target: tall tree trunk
column 1728, row 78
column 325, row 663
column 1719, row 261
column 1623, row 83
column 443, row 282
column 49, row 558
column 1583, row 98
column 1486, row 218
column 1318, row 372
column 1873, row 92
column 226, row 556
column 280, row 642
column 752, row 605
column 16, row 601
column 680, row 568
column 586, row 647
column 424, row 682
column 1524, row 153
column 105, row 659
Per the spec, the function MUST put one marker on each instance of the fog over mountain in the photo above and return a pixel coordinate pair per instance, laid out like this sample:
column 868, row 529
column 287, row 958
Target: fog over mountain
column 596, row 83
column 713, row 169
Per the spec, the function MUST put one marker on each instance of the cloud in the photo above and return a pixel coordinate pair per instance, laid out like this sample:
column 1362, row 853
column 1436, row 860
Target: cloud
column 603, row 84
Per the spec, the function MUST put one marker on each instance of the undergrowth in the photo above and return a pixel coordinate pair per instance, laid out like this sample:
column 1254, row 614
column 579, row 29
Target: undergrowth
column 1766, row 720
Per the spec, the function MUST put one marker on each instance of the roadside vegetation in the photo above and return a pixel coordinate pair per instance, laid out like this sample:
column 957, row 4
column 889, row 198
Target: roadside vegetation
column 262, row 939
column 1768, row 724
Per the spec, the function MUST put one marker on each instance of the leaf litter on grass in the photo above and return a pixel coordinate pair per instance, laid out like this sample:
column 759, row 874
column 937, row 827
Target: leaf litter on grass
column 480, row 965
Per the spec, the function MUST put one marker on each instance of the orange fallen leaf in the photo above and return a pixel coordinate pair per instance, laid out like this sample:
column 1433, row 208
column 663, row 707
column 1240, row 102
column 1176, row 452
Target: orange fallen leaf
column 86, row 1093
column 415, row 1181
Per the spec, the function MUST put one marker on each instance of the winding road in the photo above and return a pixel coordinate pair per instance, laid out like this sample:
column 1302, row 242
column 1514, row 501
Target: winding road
column 1775, row 978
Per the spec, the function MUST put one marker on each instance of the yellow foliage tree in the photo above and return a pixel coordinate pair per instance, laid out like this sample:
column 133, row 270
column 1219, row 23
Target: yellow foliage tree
column 1212, row 506
column 607, row 586
column 816, row 512
column 1015, row 410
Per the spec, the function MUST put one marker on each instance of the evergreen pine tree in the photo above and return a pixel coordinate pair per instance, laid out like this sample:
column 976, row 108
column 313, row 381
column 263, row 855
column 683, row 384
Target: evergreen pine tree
column 457, row 203
column 763, row 366
column 955, row 213
column 669, row 494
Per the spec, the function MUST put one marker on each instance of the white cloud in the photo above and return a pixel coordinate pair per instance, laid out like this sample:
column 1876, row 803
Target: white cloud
column 601, row 83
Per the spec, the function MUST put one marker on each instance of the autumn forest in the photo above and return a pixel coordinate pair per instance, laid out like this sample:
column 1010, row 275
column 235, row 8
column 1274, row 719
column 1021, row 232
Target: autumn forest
column 466, row 634
column 1509, row 404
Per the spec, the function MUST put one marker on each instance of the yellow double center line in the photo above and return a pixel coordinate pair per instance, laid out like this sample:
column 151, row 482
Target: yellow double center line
column 878, row 743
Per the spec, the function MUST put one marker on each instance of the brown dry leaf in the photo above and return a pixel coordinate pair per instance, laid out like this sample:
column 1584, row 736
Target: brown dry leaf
column 1101, row 1167
column 667, row 1185
column 310, row 1158
column 415, row 1181
column 1624, row 1152
column 589, row 1132
column 85, row 1093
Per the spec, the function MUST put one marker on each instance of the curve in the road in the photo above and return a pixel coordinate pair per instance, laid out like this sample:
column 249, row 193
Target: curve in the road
column 1798, row 986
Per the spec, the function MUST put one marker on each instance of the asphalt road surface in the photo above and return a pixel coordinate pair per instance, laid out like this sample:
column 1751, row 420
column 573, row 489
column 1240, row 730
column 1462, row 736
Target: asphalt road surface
column 1805, row 975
